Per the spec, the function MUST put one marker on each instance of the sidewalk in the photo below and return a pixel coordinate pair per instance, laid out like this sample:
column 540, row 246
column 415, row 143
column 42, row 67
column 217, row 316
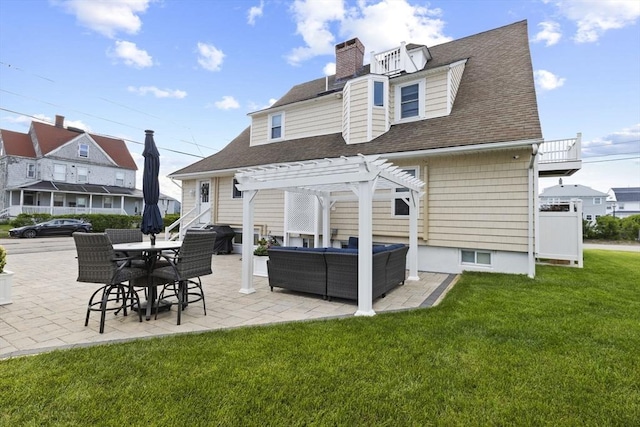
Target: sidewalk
column 49, row 305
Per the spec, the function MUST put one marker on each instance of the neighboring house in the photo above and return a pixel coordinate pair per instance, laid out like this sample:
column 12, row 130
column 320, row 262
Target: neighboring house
column 58, row 170
column 593, row 201
column 623, row 202
column 461, row 116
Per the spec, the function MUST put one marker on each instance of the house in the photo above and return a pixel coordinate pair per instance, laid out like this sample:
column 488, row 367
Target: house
column 593, row 201
column 623, row 202
column 461, row 117
column 64, row 170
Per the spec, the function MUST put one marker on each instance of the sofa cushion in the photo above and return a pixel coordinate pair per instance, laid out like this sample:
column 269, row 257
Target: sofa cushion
column 342, row 250
column 353, row 243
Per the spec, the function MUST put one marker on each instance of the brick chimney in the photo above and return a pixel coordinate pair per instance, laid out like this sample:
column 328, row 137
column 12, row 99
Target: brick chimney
column 349, row 58
column 59, row 121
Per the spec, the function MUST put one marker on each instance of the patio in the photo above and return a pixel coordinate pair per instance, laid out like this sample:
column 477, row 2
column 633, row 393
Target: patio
column 48, row 313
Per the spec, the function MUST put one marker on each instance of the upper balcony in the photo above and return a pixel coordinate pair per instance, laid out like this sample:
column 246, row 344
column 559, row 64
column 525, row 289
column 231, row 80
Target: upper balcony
column 400, row 59
column 560, row 157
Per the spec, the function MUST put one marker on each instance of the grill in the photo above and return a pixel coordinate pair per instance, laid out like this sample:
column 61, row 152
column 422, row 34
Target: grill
column 224, row 238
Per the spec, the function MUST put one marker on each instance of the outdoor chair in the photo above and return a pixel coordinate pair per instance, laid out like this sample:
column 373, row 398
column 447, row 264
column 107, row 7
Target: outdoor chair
column 98, row 263
column 182, row 276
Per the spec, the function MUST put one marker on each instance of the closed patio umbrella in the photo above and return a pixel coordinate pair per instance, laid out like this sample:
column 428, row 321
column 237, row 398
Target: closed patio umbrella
column 151, row 218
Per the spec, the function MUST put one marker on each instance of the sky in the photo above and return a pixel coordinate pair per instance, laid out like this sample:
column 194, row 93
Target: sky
column 191, row 70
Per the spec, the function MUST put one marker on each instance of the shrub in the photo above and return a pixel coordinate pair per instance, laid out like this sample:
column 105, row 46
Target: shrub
column 3, row 258
column 608, row 227
column 588, row 230
column 630, row 227
column 170, row 219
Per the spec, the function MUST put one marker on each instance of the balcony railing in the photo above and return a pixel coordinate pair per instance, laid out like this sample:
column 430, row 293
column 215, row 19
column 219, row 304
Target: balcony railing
column 392, row 61
column 560, row 156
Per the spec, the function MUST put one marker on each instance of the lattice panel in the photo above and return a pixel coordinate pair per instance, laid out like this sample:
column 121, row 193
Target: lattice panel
column 301, row 213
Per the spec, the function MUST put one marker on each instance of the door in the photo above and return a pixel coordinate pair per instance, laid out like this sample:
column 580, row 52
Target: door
column 204, row 201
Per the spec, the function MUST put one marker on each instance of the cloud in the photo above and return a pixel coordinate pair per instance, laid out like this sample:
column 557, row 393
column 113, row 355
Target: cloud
column 546, row 80
column 550, row 33
column 625, row 141
column 312, row 23
column 329, row 69
column 256, row 107
column 129, row 53
column 227, row 103
column 77, row 124
column 210, row 57
column 255, row 12
column 380, row 26
column 158, row 93
column 594, row 18
column 107, row 17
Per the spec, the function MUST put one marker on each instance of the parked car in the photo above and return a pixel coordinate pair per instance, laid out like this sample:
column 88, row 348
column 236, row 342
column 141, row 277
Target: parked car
column 55, row 227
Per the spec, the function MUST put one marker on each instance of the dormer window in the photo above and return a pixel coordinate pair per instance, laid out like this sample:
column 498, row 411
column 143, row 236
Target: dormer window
column 276, row 126
column 409, row 101
column 83, row 150
column 378, row 94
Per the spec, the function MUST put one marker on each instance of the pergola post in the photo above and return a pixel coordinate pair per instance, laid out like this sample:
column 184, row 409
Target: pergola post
column 365, row 250
column 247, row 241
column 325, row 202
column 413, row 236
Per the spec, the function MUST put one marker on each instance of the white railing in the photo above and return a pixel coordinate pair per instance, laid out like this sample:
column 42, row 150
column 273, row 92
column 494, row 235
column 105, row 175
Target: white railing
column 5, row 213
column 392, row 61
column 561, row 150
column 65, row 210
column 185, row 222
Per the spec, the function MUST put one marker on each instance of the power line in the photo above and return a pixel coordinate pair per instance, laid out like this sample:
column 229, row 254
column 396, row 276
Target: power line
column 107, row 136
column 612, row 160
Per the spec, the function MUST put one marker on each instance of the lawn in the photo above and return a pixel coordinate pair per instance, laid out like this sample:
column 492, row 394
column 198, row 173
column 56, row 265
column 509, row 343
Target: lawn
column 561, row 349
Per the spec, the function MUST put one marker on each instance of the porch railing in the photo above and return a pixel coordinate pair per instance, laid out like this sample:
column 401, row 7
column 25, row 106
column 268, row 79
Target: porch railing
column 64, row 210
column 185, row 221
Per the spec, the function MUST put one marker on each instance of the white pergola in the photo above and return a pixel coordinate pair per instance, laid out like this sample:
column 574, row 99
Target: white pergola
column 361, row 175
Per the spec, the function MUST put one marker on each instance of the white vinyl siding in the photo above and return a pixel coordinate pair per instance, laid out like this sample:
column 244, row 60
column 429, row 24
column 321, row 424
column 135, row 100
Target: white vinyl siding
column 479, row 201
column 437, row 96
column 320, row 117
column 268, row 208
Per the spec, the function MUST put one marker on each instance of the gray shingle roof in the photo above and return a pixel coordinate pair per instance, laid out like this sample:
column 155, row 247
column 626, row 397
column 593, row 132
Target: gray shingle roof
column 627, row 194
column 496, row 102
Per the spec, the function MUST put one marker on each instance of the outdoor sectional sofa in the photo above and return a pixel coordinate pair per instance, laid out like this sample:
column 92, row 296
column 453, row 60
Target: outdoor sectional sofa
column 333, row 272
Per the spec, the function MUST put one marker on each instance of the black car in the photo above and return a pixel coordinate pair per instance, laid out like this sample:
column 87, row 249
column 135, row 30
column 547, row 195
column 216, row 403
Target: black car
column 55, row 227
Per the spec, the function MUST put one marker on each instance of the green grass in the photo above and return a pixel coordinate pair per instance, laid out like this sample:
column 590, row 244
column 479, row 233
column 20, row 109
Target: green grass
column 562, row 349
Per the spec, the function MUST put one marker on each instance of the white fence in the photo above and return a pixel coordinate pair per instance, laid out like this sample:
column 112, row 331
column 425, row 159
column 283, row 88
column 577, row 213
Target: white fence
column 560, row 233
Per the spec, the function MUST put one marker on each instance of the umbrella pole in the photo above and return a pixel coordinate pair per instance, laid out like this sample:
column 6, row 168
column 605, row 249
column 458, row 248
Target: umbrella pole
column 153, row 239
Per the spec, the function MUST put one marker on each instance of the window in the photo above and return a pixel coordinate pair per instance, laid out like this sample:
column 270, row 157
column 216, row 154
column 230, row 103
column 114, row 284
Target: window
column 409, row 103
column 588, row 217
column 83, row 174
column 237, row 194
column 81, row 202
column 275, row 126
column 400, row 206
column 120, row 179
column 107, row 202
column 31, row 170
column 204, row 192
column 59, row 172
column 378, row 94
column 597, row 200
column 58, row 199
column 470, row 257
column 83, row 150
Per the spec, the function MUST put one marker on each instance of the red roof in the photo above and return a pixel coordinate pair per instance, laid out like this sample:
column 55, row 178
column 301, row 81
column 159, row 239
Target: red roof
column 17, row 144
column 52, row 137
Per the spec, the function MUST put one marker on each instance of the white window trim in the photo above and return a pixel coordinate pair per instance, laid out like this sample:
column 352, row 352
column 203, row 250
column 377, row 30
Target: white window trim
column 64, row 167
column 416, row 169
column 475, row 257
column 269, row 126
column 86, row 175
column 234, row 189
column 119, row 177
column 421, row 101
column 29, row 166
column 80, row 150
column 597, row 200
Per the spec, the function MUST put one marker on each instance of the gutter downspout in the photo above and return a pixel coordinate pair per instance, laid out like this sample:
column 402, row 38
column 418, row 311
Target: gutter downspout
column 532, row 209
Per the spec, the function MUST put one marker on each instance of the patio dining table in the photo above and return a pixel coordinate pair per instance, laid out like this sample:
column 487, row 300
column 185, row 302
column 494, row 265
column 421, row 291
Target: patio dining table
column 151, row 253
